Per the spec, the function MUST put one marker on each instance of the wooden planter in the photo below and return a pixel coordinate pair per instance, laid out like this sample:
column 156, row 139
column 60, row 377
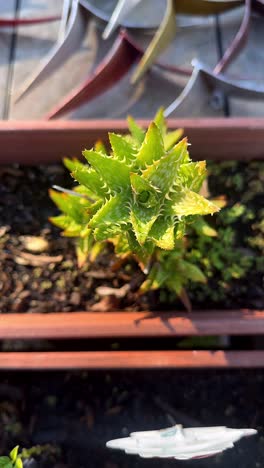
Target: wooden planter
column 47, row 142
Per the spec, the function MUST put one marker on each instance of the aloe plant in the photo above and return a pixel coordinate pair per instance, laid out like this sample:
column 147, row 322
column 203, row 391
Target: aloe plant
column 141, row 197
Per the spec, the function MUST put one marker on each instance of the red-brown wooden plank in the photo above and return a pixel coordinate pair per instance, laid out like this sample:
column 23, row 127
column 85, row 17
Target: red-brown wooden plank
column 130, row 324
column 40, row 141
column 130, row 360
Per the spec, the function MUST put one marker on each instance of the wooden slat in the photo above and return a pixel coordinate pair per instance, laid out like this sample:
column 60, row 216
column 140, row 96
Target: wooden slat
column 35, row 142
column 130, row 324
column 130, row 360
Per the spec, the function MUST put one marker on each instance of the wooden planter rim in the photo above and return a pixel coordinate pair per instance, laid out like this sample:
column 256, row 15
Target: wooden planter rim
column 38, row 142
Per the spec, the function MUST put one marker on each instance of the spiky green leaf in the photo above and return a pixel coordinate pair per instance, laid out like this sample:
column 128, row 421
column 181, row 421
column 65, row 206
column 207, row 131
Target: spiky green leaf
column 69, row 226
column 142, row 253
column 108, row 220
column 144, row 194
column 160, row 121
column 83, row 247
column 136, row 131
column 192, row 175
column 185, row 203
column 72, row 206
column 152, row 148
column 156, row 279
column 73, row 164
column 90, row 180
column 203, row 228
column 162, row 233
column 122, row 149
column 171, row 138
column 121, row 245
column 192, row 272
column 100, row 147
column 114, row 173
column 163, row 173
column 142, row 221
column 144, row 207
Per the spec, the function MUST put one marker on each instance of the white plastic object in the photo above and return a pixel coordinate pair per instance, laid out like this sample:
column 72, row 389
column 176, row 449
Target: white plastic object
column 180, row 443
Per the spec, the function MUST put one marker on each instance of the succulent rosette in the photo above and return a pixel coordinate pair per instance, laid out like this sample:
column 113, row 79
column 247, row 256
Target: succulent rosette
column 140, row 196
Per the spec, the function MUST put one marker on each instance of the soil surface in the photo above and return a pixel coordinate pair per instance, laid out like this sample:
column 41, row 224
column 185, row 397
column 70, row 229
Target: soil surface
column 38, row 267
column 72, row 415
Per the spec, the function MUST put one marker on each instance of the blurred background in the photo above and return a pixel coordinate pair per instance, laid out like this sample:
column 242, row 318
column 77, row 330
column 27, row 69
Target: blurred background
column 72, row 44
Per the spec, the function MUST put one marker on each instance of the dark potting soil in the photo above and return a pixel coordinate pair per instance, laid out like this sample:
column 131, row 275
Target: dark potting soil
column 66, row 418
column 45, row 277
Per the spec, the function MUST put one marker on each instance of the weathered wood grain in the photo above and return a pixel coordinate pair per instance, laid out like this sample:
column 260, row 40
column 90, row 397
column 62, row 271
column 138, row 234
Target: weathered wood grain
column 131, row 324
column 130, row 360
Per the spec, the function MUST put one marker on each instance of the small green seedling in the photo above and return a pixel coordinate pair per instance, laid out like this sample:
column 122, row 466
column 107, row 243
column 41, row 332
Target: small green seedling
column 13, row 461
column 141, row 197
